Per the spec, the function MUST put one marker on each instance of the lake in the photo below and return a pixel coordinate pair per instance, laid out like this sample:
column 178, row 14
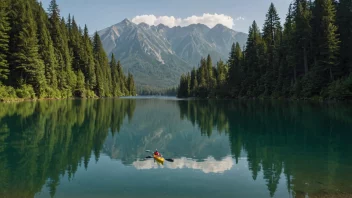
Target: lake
column 97, row 148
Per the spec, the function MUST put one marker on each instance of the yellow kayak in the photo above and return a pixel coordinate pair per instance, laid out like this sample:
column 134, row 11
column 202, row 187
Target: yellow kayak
column 159, row 159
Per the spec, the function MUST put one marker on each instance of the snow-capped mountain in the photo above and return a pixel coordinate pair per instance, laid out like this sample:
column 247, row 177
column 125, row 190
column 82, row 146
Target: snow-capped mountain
column 158, row 55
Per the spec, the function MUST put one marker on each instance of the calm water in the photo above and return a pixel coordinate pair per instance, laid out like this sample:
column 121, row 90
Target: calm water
column 96, row 148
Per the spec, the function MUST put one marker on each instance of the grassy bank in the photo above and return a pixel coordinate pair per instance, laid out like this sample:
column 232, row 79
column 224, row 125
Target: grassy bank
column 26, row 93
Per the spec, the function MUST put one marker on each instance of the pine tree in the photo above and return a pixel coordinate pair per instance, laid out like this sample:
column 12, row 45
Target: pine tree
column 210, row 74
column 25, row 63
column 46, row 48
column 202, row 73
column 131, row 87
column 344, row 23
column 70, row 76
column 235, row 69
column 57, row 33
column 303, row 35
column 4, row 41
column 221, row 74
column 80, row 88
column 272, row 37
column 188, row 79
column 326, row 44
column 232, row 66
column 102, row 67
column 75, row 41
column 122, row 81
column 254, row 63
column 287, row 69
column 88, row 58
column 115, row 76
column 194, row 83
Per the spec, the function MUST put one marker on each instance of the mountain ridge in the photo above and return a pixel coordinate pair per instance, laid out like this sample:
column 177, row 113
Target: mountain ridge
column 158, row 55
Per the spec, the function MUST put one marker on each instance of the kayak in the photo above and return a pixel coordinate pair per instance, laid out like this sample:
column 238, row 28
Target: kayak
column 159, row 158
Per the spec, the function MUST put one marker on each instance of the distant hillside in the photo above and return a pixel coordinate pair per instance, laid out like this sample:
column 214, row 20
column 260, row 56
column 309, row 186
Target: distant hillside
column 158, row 55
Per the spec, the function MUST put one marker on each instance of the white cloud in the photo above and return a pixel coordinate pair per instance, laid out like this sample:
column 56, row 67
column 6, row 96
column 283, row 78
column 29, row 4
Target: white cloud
column 207, row 19
column 209, row 165
column 239, row 19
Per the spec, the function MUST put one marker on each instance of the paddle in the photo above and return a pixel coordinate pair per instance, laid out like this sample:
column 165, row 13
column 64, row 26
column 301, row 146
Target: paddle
column 169, row 160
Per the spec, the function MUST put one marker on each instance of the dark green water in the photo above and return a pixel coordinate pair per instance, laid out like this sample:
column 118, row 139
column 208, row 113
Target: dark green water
column 96, row 148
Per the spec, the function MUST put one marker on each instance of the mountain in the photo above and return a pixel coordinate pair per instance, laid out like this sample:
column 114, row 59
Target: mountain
column 158, row 55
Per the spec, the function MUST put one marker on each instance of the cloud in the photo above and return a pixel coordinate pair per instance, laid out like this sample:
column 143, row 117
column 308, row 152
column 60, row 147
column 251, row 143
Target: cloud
column 207, row 19
column 210, row 165
column 239, row 19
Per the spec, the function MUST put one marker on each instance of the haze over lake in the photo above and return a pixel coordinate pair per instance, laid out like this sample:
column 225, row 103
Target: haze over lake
column 97, row 148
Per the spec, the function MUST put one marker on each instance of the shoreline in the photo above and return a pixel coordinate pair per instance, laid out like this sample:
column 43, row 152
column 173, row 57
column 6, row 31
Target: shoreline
column 319, row 100
column 16, row 100
column 315, row 100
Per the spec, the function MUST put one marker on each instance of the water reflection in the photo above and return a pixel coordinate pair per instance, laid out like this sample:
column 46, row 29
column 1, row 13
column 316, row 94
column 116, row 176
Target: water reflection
column 307, row 145
column 41, row 141
column 209, row 165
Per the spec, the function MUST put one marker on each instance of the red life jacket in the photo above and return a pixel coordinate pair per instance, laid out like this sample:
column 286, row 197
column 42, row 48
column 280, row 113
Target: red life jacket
column 156, row 153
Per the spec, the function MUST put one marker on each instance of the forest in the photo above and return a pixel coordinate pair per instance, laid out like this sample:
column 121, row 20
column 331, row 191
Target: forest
column 44, row 55
column 306, row 58
column 273, row 149
column 51, row 139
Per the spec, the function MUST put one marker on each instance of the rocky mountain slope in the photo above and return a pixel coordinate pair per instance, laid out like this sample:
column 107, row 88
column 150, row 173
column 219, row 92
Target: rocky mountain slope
column 158, row 55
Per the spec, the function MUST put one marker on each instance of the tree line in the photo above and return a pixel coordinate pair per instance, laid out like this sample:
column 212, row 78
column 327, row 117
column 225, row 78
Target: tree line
column 66, row 136
column 150, row 91
column 275, row 151
column 307, row 57
column 43, row 55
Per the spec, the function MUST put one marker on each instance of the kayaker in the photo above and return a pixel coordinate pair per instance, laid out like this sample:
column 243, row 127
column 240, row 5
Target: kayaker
column 157, row 153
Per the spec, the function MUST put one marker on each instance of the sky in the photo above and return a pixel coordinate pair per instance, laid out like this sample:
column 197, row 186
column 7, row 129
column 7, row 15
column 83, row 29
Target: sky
column 235, row 14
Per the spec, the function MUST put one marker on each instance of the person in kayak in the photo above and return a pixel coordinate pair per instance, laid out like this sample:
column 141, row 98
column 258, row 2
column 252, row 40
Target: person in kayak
column 157, row 153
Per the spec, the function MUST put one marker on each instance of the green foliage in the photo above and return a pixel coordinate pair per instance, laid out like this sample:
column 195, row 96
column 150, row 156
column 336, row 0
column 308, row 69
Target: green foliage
column 150, row 91
column 51, row 138
column 25, row 92
column 344, row 23
column 7, row 92
column 308, row 58
column 4, row 40
column 340, row 89
column 39, row 51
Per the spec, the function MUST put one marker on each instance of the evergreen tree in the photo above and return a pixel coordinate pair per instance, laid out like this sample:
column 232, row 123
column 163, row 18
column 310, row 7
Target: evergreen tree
column 221, row 74
column 25, row 63
column 232, row 66
column 43, row 56
column 272, row 37
column 100, row 63
column 80, row 88
column 309, row 57
column 303, row 35
column 88, row 59
column 70, row 76
column 75, row 41
column 194, row 82
column 287, row 69
column 4, row 41
column 122, row 79
column 344, row 23
column 131, row 87
column 202, row 74
column 46, row 48
column 235, row 69
column 115, row 76
column 60, row 42
column 210, row 74
column 254, row 63
column 326, row 47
